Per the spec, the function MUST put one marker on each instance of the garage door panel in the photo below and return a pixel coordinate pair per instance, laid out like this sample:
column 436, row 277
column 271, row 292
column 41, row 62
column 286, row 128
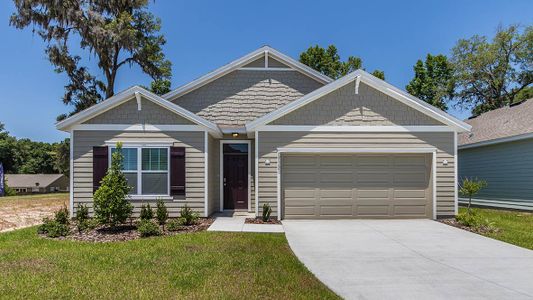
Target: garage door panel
column 356, row 186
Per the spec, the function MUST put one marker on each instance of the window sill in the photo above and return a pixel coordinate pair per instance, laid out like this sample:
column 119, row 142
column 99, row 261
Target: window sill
column 151, row 197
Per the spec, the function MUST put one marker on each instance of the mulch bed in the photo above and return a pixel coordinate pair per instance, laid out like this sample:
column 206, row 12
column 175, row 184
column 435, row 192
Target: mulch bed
column 126, row 232
column 479, row 230
column 260, row 221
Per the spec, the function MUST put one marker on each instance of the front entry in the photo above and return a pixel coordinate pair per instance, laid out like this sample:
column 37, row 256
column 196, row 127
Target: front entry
column 235, row 179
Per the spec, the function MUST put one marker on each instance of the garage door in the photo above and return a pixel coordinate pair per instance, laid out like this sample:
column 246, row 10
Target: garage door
column 356, row 186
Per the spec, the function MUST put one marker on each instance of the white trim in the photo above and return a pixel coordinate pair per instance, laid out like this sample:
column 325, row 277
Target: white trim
column 372, row 81
column 127, row 95
column 221, row 179
column 138, row 127
column 71, row 174
column 206, row 174
column 256, row 152
column 244, row 60
column 455, row 167
column 432, row 151
column 267, row 69
column 150, row 197
column 397, row 128
column 140, row 143
column 434, row 188
column 138, row 97
column 266, row 59
column 498, row 141
column 357, row 81
column 356, row 150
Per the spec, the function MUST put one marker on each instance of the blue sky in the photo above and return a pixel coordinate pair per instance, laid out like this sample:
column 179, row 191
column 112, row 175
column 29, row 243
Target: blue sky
column 203, row 35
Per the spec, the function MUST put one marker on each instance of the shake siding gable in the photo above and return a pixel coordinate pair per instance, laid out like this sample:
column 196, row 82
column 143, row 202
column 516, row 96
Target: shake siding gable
column 193, row 142
column 369, row 107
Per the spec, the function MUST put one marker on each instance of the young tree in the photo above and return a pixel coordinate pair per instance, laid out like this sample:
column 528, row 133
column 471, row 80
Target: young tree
column 116, row 33
column 433, row 81
column 328, row 62
column 469, row 188
column 490, row 75
column 111, row 206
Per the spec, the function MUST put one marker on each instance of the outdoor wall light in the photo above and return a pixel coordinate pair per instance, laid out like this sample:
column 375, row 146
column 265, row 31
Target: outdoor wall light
column 445, row 162
column 267, row 162
column 235, row 134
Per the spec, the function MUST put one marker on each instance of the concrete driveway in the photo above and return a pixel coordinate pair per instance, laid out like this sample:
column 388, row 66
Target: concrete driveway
column 410, row 259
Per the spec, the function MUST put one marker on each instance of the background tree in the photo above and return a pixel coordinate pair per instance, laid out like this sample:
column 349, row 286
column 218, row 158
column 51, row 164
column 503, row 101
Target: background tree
column 7, row 150
column 34, row 157
column 62, row 157
column 328, row 62
column 433, row 81
column 115, row 32
column 490, row 75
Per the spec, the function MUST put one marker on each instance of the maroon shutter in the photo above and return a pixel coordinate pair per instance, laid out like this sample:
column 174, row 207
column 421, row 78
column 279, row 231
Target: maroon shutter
column 100, row 164
column 177, row 171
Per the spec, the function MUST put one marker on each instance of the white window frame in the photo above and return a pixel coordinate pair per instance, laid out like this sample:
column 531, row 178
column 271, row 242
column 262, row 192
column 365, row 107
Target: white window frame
column 140, row 171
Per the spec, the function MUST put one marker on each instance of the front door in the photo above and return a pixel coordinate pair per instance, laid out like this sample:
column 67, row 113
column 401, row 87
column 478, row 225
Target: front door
column 235, row 180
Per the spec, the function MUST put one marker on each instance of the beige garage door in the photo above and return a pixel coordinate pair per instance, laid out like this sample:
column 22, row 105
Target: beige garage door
column 356, row 186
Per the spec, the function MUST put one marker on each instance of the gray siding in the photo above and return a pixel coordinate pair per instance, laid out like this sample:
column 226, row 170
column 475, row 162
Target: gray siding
column 258, row 63
column 84, row 141
column 507, row 168
column 150, row 113
column 442, row 141
column 344, row 107
column 242, row 96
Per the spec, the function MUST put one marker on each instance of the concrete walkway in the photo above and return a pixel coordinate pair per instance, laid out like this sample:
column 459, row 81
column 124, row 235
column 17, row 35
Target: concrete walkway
column 235, row 223
column 410, row 259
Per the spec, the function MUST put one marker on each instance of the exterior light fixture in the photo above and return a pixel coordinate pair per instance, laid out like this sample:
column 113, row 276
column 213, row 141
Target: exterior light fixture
column 235, row 134
column 267, row 162
column 445, row 162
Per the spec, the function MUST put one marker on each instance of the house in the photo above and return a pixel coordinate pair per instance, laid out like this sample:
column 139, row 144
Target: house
column 37, row 183
column 499, row 150
column 266, row 129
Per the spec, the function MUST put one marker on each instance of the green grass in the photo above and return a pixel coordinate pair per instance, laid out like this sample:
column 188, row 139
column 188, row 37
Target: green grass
column 30, row 200
column 202, row 265
column 514, row 227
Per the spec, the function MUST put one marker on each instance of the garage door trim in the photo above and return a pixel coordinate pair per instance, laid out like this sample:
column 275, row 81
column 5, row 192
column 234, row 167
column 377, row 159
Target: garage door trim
column 389, row 150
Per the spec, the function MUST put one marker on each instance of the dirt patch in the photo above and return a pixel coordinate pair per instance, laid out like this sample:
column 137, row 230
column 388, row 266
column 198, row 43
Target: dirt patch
column 123, row 233
column 479, row 230
column 19, row 212
column 260, row 221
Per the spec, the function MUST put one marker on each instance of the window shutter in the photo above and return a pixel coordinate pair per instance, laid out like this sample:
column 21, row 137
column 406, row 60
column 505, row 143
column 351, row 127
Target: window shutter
column 100, row 165
column 177, row 171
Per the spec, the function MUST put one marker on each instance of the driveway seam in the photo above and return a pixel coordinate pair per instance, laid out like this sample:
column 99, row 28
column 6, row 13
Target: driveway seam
column 444, row 264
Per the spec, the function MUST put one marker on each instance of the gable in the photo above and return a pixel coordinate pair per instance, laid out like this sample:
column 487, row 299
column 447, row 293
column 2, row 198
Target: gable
column 342, row 107
column 258, row 63
column 128, row 113
column 245, row 95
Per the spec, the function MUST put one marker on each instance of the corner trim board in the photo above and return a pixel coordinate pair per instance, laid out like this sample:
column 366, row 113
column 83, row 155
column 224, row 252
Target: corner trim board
column 71, row 174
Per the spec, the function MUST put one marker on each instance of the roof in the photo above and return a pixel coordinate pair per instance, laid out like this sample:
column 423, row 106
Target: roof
column 31, row 180
column 499, row 125
column 134, row 92
column 250, row 57
column 372, row 81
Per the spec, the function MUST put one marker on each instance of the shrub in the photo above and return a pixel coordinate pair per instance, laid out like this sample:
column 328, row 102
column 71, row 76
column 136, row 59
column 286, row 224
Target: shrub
column 62, row 216
column 161, row 212
column 146, row 212
column 110, row 204
column 53, row 228
column 473, row 220
column 82, row 217
column 470, row 187
column 267, row 210
column 188, row 215
column 148, row 228
column 174, row 225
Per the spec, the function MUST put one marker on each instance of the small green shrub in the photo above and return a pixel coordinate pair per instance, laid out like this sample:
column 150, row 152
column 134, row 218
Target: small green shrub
column 82, row 217
column 161, row 212
column 62, row 216
column 148, row 228
column 174, row 225
column 468, row 219
column 188, row 215
column 52, row 228
column 267, row 210
column 146, row 212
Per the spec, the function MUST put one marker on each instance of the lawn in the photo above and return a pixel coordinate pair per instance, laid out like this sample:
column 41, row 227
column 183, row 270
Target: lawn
column 201, row 265
column 20, row 211
column 514, row 227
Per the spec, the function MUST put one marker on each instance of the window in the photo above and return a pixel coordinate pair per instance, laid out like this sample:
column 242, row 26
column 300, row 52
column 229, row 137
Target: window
column 146, row 169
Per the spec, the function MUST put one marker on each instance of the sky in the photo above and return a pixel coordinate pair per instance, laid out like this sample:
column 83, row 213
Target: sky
column 204, row 35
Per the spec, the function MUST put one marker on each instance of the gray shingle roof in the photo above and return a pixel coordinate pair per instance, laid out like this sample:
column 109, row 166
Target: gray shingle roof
column 30, row 180
column 499, row 123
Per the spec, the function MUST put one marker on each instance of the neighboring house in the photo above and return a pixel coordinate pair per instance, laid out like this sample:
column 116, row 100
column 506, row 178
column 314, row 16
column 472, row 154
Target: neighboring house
column 37, row 183
column 499, row 150
column 266, row 129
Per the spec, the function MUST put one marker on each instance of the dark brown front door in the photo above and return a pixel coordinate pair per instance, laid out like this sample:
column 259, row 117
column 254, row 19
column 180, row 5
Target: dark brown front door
column 235, row 176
